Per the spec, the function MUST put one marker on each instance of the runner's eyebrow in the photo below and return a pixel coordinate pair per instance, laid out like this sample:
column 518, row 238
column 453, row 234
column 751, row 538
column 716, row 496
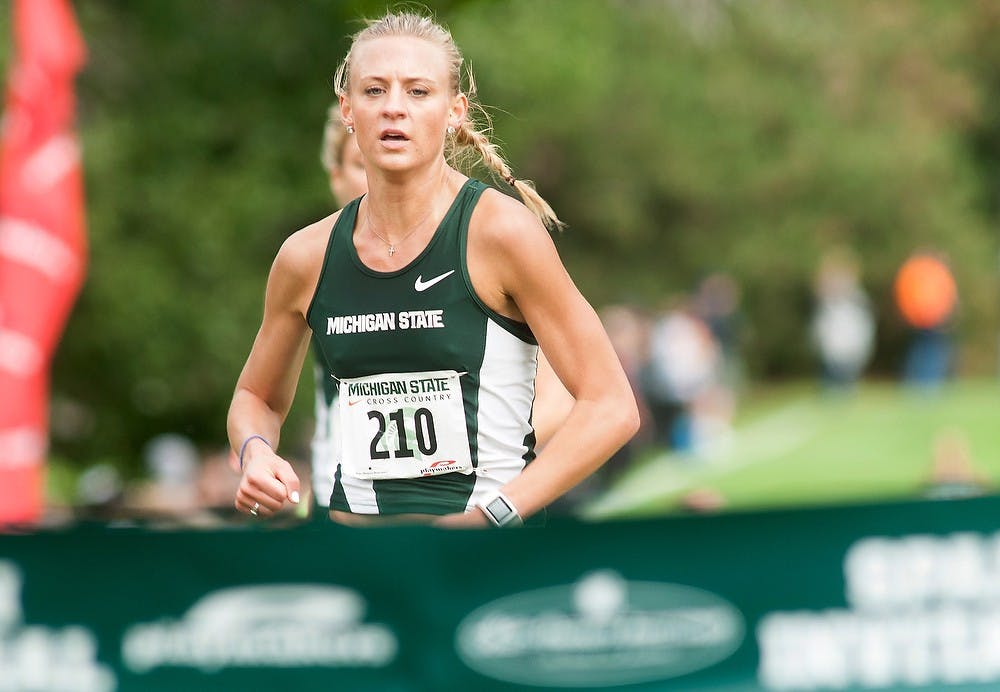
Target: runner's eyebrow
column 410, row 79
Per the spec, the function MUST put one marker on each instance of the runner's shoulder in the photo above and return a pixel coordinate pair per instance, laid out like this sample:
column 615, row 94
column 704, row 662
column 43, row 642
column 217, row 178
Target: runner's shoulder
column 304, row 249
column 499, row 218
column 503, row 228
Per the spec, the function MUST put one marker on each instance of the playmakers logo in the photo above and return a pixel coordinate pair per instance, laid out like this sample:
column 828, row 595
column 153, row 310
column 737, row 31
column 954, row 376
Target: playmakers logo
column 283, row 625
column 601, row 631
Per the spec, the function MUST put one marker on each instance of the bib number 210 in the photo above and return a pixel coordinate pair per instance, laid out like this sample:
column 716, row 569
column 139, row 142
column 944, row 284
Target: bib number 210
column 424, row 435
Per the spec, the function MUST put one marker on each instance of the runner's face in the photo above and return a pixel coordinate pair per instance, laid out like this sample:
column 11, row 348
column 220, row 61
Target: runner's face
column 400, row 102
column 348, row 179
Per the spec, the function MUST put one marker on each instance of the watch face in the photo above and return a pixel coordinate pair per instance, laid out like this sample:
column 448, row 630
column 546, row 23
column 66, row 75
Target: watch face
column 499, row 509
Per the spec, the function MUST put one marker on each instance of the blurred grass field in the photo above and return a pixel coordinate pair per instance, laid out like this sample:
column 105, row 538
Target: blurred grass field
column 793, row 446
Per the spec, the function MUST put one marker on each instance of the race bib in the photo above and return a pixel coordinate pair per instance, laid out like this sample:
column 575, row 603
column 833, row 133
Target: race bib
column 403, row 425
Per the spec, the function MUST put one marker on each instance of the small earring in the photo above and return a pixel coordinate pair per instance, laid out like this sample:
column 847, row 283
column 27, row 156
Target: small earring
column 451, row 130
column 350, row 129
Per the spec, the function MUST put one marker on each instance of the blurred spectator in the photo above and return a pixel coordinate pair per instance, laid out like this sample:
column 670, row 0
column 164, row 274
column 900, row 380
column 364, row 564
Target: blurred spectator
column 216, row 486
column 99, row 493
column 703, row 500
column 926, row 296
column 711, row 418
column 843, row 327
column 717, row 303
column 684, row 364
column 953, row 474
column 169, row 492
column 172, row 467
column 184, row 489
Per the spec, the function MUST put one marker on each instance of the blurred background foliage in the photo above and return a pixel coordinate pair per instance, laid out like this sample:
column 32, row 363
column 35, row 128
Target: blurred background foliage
column 676, row 138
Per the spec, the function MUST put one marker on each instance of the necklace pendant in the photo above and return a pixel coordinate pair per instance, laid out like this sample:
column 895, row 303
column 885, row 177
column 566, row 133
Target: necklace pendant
column 392, row 250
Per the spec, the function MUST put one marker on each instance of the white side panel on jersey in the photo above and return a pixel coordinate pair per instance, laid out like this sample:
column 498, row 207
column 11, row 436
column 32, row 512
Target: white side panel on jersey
column 323, row 444
column 506, row 392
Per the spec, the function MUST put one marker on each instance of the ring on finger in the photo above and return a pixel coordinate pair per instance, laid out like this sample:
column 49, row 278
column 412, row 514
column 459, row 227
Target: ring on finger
column 255, row 508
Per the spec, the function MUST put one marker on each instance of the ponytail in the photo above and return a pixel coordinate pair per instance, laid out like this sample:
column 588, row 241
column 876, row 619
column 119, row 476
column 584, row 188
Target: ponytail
column 470, row 140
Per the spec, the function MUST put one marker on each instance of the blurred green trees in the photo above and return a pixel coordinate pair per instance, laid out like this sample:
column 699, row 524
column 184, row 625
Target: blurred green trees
column 676, row 137
column 683, row 137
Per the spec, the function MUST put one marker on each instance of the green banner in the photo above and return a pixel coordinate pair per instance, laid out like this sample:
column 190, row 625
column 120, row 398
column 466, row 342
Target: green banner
column 900, row 596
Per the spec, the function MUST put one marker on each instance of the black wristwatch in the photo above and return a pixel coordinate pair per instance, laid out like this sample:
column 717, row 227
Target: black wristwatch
column 500, row 511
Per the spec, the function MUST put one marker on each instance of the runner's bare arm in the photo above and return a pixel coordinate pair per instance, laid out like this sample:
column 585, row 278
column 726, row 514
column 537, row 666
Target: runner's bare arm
column 266, row 387
column 516, row 270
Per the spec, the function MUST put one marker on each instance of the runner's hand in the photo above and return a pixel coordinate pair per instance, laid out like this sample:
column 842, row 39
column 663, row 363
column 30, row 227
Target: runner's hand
column 268, row 482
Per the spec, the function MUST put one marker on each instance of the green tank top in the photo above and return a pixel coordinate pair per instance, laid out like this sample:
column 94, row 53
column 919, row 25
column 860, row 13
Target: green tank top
column 389, row 341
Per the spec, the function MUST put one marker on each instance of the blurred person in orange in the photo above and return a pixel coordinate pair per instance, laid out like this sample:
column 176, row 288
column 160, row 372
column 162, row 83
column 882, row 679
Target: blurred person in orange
column 926, row 295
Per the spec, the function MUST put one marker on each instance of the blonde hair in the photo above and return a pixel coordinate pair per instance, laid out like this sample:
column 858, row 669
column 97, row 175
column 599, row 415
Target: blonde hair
column 331, row 152
column 471, row 141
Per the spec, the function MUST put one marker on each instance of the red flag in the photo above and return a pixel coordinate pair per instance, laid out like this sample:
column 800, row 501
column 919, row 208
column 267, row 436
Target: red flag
column 42, row 239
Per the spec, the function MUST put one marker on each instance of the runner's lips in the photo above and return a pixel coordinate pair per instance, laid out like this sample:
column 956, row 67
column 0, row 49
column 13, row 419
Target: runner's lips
column 393, row 136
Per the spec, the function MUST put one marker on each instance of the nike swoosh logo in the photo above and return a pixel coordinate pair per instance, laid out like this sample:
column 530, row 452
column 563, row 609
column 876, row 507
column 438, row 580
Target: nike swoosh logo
column 421, row 285
column 356, row 401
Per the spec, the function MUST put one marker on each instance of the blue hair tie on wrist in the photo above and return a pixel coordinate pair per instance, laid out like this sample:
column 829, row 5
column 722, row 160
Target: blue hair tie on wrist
column 243, row 447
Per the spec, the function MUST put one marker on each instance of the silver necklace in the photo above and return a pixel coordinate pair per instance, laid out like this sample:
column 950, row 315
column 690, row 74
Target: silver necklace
column 392, row 246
